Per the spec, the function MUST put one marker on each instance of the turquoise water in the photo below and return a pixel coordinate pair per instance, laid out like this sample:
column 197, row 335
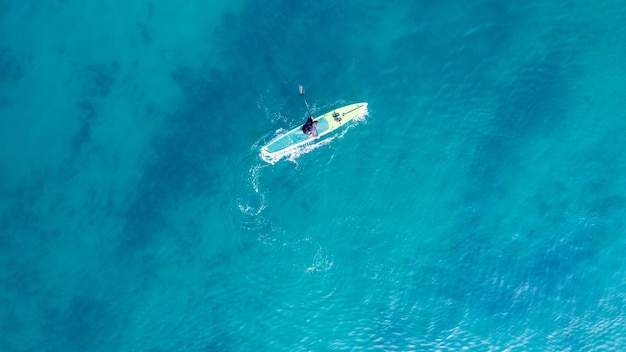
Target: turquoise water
column 479, row 205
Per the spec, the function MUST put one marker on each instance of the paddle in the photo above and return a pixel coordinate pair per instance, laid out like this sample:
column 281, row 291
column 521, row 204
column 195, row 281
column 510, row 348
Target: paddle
column 301, row 90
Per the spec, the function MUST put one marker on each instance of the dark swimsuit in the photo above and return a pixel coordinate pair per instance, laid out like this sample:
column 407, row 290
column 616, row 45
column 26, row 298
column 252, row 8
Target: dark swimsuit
column 308, row 127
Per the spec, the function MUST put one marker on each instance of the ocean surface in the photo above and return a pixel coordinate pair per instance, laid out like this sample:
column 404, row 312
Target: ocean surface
column 480, row 204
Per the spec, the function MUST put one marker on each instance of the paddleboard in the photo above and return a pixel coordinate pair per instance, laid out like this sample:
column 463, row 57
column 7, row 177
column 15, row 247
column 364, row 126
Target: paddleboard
column 290, row 141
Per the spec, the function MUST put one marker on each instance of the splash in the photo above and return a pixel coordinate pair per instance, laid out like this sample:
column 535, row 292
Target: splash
column 361, row 117
column 252, row 203
column 322, row 261
column 260, row 204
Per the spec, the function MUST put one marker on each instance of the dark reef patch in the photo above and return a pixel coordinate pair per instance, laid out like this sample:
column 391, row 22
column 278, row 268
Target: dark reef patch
column 187, row 158
column 145, row 34
column 10, row 69
column 535, row 103
column 88, row 115
column 87, row 324
column 98, row 79
column 87, row 109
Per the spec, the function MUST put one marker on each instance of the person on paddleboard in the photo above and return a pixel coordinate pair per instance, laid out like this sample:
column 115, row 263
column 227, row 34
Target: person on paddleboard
column 310, row 127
